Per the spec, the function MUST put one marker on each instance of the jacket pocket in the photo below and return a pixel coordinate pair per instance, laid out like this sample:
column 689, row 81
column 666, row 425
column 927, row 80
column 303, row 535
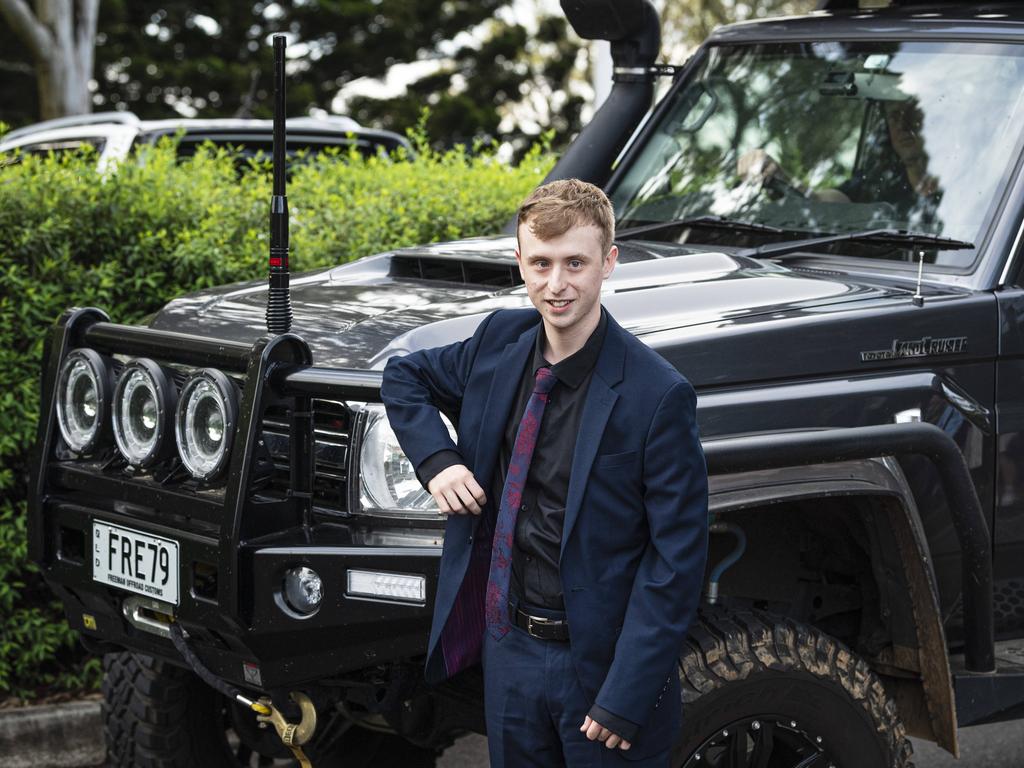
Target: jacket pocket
column 615, row 459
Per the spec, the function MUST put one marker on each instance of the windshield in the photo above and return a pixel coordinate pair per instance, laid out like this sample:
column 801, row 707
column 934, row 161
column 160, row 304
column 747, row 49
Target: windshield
column 837, row 137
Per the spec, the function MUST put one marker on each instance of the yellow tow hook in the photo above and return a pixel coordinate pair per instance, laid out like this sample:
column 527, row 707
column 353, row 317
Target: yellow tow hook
column 294, row 735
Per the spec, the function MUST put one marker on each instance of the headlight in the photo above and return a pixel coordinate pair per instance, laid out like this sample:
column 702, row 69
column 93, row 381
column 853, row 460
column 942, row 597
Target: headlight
column 83, row 395
column 205, row 423
column 387, row 479
column 143, row 406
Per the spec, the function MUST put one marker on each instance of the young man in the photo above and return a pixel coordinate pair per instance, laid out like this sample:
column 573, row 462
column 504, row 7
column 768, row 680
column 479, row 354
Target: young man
column 574, row 552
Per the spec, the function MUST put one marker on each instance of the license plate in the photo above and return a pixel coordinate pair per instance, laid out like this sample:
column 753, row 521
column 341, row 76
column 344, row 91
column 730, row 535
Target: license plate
column 138, row 562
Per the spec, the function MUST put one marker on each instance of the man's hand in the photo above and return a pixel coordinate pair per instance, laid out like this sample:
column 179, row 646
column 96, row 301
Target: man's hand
column 456, row 491
column 594, row 730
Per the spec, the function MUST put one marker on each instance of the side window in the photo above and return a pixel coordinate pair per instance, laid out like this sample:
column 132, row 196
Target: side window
column 260, row 149
column 242, row 149
column 56, row 146
column 65, row 145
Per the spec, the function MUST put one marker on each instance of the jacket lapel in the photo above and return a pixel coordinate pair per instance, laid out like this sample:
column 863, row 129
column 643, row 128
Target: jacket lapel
column 507, row 375
column 597, row 408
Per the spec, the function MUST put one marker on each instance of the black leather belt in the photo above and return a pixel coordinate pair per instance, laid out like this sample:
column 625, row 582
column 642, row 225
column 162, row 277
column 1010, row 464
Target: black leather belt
column 541, row 627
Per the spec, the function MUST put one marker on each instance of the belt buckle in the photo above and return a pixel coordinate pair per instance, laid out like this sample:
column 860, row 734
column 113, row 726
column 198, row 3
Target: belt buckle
column 540, row 621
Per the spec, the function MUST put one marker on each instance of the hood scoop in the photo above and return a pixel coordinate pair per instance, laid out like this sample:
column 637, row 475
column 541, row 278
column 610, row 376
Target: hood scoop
column 487, row 274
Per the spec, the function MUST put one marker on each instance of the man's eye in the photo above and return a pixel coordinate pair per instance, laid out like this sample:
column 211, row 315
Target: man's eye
column 540, row 264
column 575, row 263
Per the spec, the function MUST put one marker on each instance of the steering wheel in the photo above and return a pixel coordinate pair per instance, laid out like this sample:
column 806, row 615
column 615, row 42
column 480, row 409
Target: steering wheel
column 778, row 186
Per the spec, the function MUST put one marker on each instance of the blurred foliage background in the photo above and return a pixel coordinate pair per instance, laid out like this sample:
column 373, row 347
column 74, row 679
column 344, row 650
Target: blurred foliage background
column 506, row 70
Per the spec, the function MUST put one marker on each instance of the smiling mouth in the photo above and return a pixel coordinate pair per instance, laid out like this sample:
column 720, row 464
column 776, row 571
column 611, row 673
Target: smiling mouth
column 559, row 303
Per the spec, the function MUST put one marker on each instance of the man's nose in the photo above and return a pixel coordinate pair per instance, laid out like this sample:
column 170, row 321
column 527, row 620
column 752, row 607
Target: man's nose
column 557, row 282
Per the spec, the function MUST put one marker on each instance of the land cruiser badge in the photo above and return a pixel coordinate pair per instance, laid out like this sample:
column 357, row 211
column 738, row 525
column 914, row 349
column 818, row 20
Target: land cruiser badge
column 922, row 347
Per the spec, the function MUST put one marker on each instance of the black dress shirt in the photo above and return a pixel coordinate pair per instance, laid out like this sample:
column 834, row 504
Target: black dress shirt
column 538, row 538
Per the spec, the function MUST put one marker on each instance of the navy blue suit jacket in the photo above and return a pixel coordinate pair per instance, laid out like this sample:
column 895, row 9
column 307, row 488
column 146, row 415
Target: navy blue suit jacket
column 634, row 541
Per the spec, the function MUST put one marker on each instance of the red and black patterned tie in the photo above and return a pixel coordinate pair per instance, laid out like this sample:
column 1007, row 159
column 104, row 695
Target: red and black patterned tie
column 496, row 608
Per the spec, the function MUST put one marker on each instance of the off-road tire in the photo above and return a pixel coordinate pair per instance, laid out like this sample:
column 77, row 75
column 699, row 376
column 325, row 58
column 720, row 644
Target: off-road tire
column 157, row 715
column 745, row 665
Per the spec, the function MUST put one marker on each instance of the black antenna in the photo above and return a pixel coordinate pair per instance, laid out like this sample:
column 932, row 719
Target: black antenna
column 279, row 303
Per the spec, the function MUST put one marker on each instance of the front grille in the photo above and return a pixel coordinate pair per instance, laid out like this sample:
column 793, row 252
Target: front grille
column 332, row 422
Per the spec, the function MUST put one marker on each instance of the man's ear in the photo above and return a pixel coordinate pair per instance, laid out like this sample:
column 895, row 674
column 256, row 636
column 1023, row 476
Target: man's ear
column 610, row 261
column 519, row 261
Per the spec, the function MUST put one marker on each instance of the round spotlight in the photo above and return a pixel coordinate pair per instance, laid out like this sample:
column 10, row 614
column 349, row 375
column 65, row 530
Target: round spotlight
column 303, row 589
column 205, row 424
column 143, row 407
column 83, row 389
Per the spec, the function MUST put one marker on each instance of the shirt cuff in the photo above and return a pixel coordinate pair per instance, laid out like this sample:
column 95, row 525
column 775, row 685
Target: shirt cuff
column 436, row 463
column 621, row 727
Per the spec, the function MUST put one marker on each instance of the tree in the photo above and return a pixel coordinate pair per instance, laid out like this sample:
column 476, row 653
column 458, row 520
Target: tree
column 685, row 23
column 19, row 94
column 214, row 59
column 509, row 84
column 60, row 37
column 484, row 71
column 476, row 59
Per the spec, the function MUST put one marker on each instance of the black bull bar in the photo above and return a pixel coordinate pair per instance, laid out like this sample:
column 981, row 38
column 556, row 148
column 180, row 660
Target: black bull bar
column 283, row 365
column 275, row 368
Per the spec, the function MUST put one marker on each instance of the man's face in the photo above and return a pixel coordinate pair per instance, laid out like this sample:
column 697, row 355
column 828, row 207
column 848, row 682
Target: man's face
column 905, row 122
column 563, row 275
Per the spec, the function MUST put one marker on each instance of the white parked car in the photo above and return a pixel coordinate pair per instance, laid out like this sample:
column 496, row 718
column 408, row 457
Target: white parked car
column 115, row 134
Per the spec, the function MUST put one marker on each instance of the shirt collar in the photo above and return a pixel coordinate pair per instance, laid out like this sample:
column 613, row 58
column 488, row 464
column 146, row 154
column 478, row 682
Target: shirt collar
column 574, row 369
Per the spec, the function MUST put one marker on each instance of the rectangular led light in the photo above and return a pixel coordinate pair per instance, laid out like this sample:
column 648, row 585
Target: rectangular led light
column 387, row 586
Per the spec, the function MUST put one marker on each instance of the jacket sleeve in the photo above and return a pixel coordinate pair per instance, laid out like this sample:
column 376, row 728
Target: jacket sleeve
column 418, row 386
column 668, row 583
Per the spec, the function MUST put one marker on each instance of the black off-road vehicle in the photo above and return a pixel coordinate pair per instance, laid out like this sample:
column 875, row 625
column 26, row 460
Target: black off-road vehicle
column 820, row 224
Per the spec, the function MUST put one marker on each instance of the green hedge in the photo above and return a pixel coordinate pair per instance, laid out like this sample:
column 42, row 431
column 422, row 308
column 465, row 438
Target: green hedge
column 129, row 240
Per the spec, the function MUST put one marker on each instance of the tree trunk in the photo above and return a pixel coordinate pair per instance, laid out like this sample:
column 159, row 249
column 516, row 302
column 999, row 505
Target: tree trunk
column 63, row 88
column 61, row 36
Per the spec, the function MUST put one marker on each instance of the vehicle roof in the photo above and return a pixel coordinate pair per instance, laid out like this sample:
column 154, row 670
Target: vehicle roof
column 333, row 126
column 988, row 21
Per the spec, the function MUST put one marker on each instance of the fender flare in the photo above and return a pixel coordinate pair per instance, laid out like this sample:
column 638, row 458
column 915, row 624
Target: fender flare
column 782, row 449
column 881, row 481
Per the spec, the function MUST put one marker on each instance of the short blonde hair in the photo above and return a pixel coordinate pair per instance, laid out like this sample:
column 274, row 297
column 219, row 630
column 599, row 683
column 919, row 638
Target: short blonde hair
column 552, row 209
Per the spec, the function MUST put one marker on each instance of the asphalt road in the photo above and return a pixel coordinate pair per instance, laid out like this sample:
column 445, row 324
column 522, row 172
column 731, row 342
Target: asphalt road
column 987, row 746
column 1000, row 745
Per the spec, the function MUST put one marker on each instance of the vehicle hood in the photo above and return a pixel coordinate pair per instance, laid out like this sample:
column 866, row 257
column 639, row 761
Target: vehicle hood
column 359, row 314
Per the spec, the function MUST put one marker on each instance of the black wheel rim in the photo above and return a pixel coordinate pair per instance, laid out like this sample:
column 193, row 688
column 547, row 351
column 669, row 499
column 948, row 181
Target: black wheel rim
column 765, row 741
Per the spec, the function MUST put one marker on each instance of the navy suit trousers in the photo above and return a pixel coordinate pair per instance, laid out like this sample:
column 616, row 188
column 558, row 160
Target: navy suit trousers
column 534, row 707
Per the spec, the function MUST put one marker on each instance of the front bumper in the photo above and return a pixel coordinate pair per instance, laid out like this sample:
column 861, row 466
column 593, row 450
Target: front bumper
column 235, row 542
column 345, row 634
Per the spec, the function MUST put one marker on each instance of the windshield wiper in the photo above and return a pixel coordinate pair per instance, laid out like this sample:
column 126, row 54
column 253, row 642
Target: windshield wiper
column 708, row 222
column 899, row 237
